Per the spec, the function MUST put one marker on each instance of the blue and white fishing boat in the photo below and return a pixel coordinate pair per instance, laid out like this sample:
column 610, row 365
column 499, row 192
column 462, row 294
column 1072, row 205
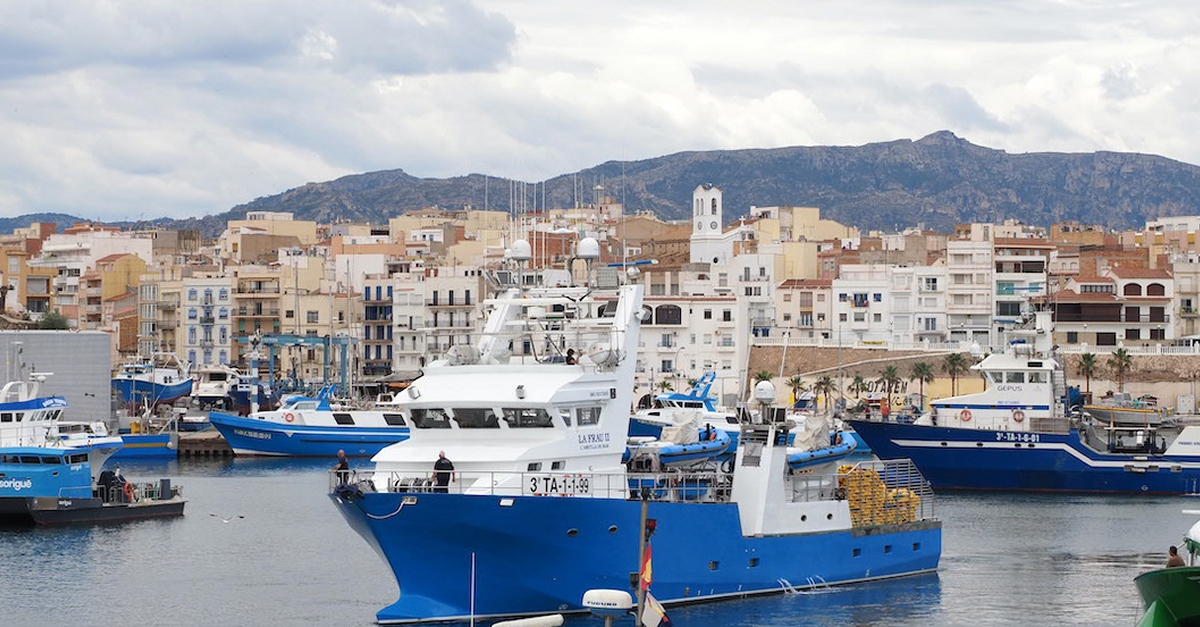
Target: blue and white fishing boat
column 51, row 469
column 152, row 381
column 312, row 427
column 649, row 421
column 1017, row 435
column 541, row 506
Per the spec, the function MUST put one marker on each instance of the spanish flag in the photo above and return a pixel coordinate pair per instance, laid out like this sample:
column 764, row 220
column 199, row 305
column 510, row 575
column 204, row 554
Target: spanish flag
column 647, row 572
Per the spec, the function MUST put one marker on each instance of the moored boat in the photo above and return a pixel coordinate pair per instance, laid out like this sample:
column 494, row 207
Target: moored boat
column 311, row 427
column 1018, row 435
column 542, row 507
column 151, row 381
column 1171, row 595
column 1121, row 409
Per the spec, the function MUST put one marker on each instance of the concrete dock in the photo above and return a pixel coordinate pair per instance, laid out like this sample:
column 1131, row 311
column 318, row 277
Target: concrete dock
column 203, row 444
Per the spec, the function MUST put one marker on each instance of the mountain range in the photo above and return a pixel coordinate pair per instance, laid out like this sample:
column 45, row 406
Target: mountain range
column 937, row 181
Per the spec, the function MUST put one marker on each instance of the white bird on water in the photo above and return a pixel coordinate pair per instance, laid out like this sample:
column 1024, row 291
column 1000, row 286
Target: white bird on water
column 226, row 520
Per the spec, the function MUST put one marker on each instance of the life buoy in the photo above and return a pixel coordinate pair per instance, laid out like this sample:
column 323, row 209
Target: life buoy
column 965, row 415
column 1018, row 415
column 128, row 492
column 289, row 416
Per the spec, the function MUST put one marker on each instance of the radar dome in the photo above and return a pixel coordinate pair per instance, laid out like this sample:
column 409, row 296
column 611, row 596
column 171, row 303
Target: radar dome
column 764, row 392
column 521, row 251
column 588, row 248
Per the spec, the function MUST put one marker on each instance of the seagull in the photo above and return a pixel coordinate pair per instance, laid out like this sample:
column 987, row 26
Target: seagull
column 226, row 520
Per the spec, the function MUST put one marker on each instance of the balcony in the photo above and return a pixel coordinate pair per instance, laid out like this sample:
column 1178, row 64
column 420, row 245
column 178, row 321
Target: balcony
column 249, row 312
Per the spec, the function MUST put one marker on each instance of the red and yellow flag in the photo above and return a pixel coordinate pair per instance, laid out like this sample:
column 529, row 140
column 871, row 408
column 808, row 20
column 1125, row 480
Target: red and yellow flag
column 647, row 573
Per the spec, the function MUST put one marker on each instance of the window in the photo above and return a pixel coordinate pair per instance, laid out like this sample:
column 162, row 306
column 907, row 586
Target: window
column 929, row 284
column 1133, row 334
column 394, row 420
column 312, row 317
column 1008, row 308
column 474, row 418
column 343, row 418
column 529, row 417
column 431, row 418
column 193, row 294
column 586, row 416
column 877, row 318
column 1015, row 377
column 931, row 324
column 289, row 314
column 1072, row 337
column 727, row 315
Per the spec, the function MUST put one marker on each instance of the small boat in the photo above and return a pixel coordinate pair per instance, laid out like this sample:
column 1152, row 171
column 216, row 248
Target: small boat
column 1018, row 434
column 543, row 505
column 1123, row 410
column 214, row 385
column 312, row 427
column 249, row 394
column 681, row 446
column 151, row 381
column 1171, row 595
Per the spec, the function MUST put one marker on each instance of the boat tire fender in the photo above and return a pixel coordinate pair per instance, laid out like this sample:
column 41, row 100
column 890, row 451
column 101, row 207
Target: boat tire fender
column 1018, row 415
column 965, row 415
column 289, row 416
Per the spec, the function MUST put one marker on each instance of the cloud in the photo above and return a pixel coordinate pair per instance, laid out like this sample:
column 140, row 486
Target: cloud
column 123, row 109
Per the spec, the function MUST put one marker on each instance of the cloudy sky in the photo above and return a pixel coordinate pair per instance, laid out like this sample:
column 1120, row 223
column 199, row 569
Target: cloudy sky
column 127, row 109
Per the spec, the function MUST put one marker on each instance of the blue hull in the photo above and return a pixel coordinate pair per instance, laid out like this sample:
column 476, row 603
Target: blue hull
column 540, row 554
column 139, row 392
column 253, row 436
column 976, row 459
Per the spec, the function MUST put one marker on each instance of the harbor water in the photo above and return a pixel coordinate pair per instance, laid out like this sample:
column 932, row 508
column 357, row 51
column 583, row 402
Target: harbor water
column 260, row 544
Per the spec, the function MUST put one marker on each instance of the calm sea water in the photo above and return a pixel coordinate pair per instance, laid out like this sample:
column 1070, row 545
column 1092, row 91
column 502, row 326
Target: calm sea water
column 1007, row 560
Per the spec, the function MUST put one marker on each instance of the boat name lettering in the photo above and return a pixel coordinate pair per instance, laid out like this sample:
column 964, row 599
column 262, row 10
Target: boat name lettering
column 1004, row 387
column 588, row 440
column 64, row 503
column 1010, row 436
column 252, row 434
column 560, row 485
column 15, row 484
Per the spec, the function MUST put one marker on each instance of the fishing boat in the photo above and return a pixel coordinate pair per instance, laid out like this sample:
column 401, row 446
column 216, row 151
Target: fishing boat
column 51, row 470
column 1171, row 595
column 1018, row 434
column 541, row 506
column 151, row 381
column 250, row 394
column 312, row 427
column 214, row 385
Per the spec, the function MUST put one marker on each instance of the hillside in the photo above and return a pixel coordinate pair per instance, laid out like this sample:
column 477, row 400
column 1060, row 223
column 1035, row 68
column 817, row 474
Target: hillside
column 939, row 181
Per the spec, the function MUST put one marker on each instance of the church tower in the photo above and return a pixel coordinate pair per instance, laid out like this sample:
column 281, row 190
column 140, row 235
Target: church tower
column 708, row 245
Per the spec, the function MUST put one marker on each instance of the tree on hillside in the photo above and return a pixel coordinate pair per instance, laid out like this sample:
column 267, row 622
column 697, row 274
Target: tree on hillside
column 796, row 384
column 825, row 386
column 889, row 378
column 955, row 365
column 858, row 386
column 1087, row 370
column 922, row 373
column 1120, row 362
column 54, row 321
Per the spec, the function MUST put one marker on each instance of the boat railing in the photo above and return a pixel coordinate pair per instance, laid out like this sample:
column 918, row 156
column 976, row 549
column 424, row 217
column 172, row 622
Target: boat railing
column 878, row 491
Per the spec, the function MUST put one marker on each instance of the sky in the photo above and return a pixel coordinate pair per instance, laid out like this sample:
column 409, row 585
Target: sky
column 132, row 110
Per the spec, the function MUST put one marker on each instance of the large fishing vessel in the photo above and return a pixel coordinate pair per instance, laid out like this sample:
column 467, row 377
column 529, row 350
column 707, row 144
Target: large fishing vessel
column 540, row 505
column 1018, row 435
column 159, row 379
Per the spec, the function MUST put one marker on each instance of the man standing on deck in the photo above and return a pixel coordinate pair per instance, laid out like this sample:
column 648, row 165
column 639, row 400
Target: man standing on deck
column 342, row 468
column 1174, row 561
column 443, row 472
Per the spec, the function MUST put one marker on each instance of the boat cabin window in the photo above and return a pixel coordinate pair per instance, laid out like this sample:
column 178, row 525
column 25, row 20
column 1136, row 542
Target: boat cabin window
column 522, row 417
column 476, row 418
column 1016, row 377
column 565, row 414
column 343, row 418
column 309, row 405
column 6, row 417
column 52, row 460
column 432, row 418
column 394, row 420
column 588, row 416
column 30, row 459
column 78, row 458
column 1037, row 377
column 994, row 377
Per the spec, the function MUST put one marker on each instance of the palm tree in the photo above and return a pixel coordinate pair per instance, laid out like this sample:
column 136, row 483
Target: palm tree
column 1087, row 369
column 857, row 386
column 665, row 386
column 922, row 373
column 796, row 385
column 825, row 387
column 955, row 366
column 1121, row 363
column 889, row 378
column 763, row 375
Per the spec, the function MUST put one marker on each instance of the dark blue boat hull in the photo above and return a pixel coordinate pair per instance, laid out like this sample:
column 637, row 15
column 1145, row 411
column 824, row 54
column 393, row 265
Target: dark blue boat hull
column 977, row 459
